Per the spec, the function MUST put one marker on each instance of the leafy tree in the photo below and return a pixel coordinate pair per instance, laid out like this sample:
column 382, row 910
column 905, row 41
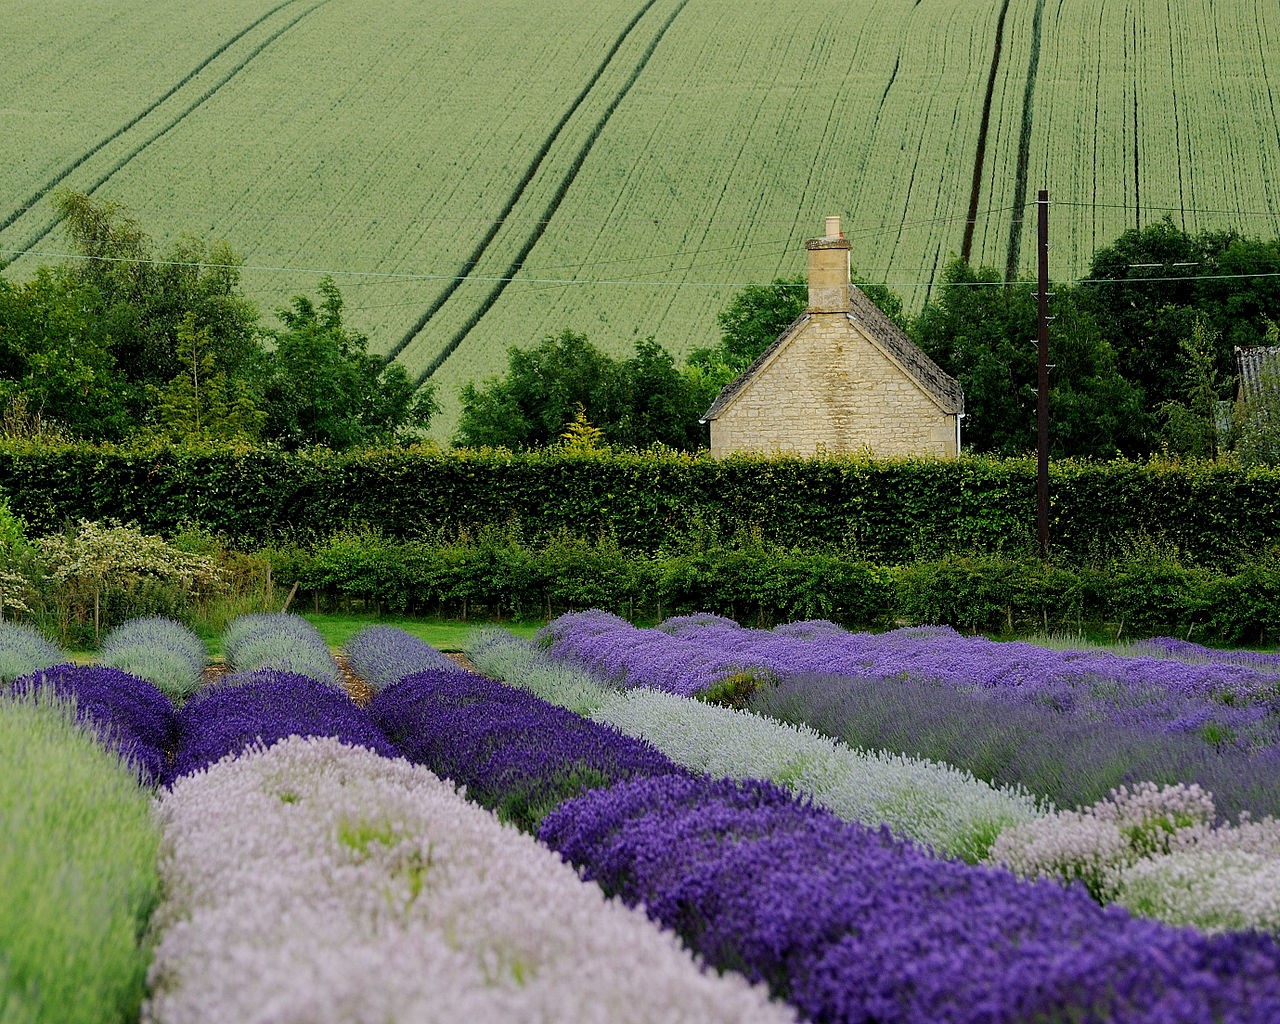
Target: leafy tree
column 983, row 331
column 56, row 366
column 138, row 296
column 659, row 404
column 1190, row 425
column 539, row 394
column 635, row 402
column 200, row 402
column 1255, row 418
column 324, row 388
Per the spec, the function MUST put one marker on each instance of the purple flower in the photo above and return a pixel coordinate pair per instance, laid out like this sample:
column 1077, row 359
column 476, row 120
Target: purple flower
column 515, row 753
column 129, row 713
column 259, row 708
column 850, row 924
column 382, row 655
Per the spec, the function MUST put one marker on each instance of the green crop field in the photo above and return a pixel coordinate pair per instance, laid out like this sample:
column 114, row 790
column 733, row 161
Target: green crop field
column 476, row 176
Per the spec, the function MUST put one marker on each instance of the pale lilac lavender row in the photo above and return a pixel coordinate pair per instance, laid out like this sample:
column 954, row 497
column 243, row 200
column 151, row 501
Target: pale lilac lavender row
column 316, row 883
column 1185, row 650
column 1071, row 759
column 160, row 650
column 689, row 654
column 281, row 641
column 382, row 655
column 129, row 714
column 24, row 649
column 261, row 707
column 855, row 926
column 929, row 802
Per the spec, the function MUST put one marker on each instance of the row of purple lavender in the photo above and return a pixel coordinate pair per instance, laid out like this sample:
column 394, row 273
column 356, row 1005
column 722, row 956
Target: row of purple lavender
column 847, row 923
column 1067, row 725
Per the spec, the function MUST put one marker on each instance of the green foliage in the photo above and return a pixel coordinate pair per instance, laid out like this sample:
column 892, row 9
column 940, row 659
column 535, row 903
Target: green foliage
column 885, row 511
column 637, row 402
column 983, row 334
column 736, row 690
column 102, row 573
column 200, row 403
column 1255, row 417
column 1190, row 424
column 79, row 867
column 324, row 388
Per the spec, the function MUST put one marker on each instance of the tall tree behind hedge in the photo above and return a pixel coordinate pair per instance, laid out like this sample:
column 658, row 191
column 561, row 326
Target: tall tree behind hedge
column 982, row 331
column 140, row 295
column 323, row 387
column 635, row 402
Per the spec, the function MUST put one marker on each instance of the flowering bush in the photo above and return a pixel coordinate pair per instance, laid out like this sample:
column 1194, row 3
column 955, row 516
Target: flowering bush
column 1156, row 850
column 159, row 650
column 129, row 714
column 317, row 883
column 853, row 925
column 262, row 707
column 934, row 804
column 280, row 641
column 78, row 863
column 382, row 655
column 24, row 649
column 516, row 754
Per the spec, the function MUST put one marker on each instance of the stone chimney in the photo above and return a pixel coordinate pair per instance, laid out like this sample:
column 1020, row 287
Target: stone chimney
column 829, row 271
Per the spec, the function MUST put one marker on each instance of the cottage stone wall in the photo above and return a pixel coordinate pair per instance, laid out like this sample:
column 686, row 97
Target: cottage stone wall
column 829, row 390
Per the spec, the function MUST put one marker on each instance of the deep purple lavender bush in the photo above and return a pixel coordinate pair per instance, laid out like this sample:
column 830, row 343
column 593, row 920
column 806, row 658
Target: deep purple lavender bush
column 516, row 754
column 851, row 925
column 259, row 708
column 129, row 714
column 382, row 655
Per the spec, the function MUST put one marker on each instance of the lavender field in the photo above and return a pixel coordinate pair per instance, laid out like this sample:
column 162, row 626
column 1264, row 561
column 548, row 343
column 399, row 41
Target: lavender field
column 574, row 835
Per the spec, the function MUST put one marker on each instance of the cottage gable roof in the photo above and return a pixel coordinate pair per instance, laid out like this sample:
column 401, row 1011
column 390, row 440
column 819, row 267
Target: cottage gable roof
column 1251, row 363
column 883, row 332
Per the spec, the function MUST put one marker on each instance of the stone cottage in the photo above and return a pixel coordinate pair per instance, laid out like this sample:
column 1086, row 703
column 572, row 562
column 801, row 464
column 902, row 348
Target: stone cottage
column 841, row 379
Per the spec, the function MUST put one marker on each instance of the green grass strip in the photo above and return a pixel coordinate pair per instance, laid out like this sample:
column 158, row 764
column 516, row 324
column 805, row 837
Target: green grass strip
column 78, row 864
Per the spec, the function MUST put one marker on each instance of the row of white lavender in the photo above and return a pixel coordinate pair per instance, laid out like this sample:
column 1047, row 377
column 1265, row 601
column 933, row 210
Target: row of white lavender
column 317, row 882
column 1156, row 849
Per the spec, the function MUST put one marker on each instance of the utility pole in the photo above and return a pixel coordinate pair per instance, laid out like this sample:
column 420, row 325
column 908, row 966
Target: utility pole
column 1042, row 378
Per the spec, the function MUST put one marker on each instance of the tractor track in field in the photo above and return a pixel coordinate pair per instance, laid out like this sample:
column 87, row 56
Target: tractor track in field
column 173, row 122
column 517, row 193
column 1024, row 148
column 540, row 225
column 984, row 124
column 62, row 175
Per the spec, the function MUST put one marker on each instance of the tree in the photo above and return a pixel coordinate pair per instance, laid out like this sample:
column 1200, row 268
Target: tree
column 1190, row 425
column 539, row 394
column 635, row 402
column 200, row 402
column 137, row 297
column 324, row 388
column 1255, row 417
column 56, row 366
column 982, row 331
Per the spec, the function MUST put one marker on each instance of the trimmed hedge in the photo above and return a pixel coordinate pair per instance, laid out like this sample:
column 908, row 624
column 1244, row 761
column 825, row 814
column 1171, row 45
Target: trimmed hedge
column 759, row 585
column 890, row 511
